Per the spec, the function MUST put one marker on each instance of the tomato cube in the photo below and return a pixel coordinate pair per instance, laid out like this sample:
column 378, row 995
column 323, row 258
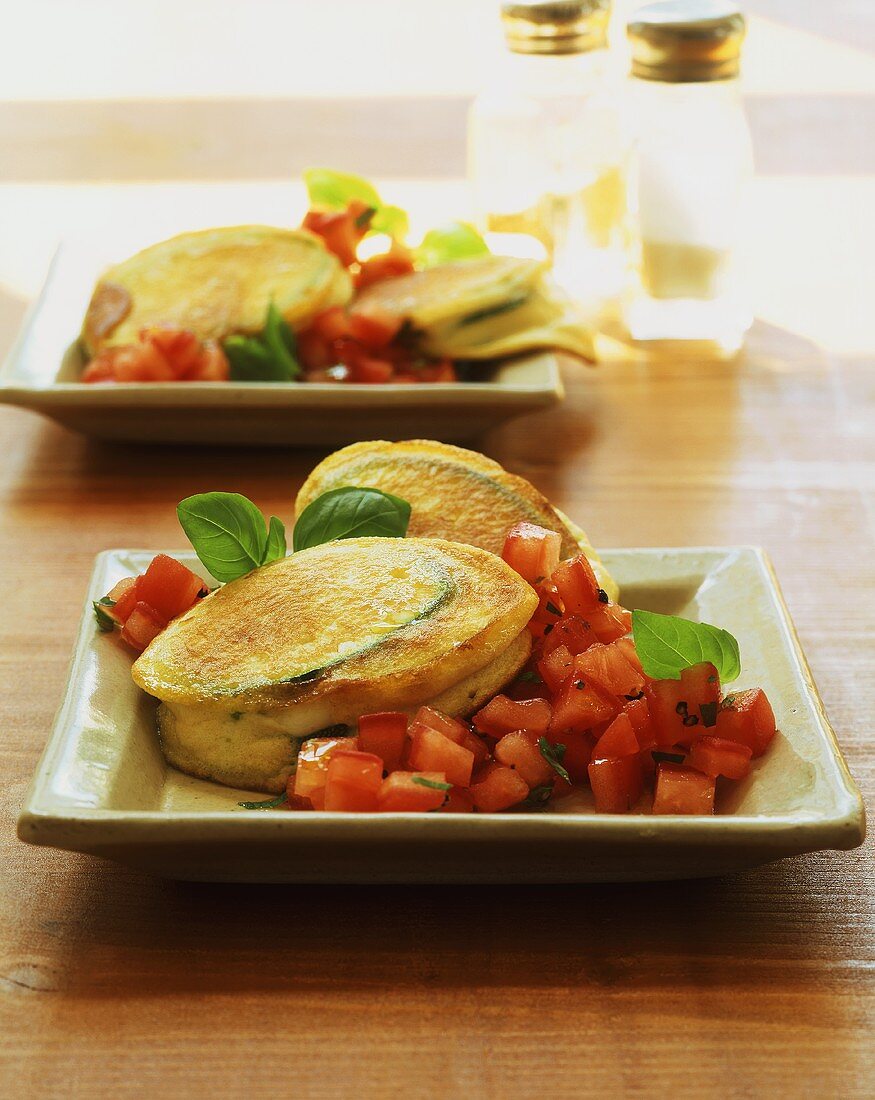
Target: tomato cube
column 311, row 769
column 169, row 587
column 548, row 612
column 387, row 265
column 618, row 740
column 627, row 647
column 577, row 585
column 502, row 715
column 384, row 735
column 683, row 709
column 606, row 667
column 498, row 788
column 412, row 792
column 373, row 330
column 337, row 229
column 212, row 365
column 617, row 784
column 437, row 720
column 124, row 599
column 577, row 756
column 353, row 781
column 639, row 716
column 576, row 634
column 458, row 802
column 717, row 756
column 142, row 626
column 477, row 746
column 430, row 751
column 680, row 790
column 532, row 551
column 610, row 622
column 517, row 750
column 556, row 666
column 747, row 717
column 579, row 707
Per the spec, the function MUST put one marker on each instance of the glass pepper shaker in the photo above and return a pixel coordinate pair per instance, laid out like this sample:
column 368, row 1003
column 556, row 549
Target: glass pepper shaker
column 547, row 144
column 692, row 159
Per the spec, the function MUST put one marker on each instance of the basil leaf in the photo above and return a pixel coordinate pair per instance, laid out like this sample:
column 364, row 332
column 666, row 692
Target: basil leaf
column 105, row 623
column 267, row 357
column 455, row 241
column 433, row 783
column 276, row 541
column 227, row 531
column 351, row 512
column 538, row 797
column 270, row 804
column 553, row 755
column 392, row 220
column 666, row 645
column 337, row 190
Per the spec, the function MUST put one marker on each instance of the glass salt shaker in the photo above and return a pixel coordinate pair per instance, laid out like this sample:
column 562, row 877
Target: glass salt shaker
column 692, row 159
column 547, row 145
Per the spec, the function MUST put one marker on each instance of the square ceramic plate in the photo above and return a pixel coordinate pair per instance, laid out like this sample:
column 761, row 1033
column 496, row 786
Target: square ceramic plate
column 41, row 371
column 102, row 785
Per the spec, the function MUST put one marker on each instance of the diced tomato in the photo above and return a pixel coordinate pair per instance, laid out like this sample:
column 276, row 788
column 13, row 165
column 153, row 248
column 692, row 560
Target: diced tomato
column 401, row 793
column 610, row 622
column 141, row 363
column 627, row 647
column 681, row 790
column 717, row 756
column 606, row 667
column 680, row 708
column 517, row 750
column 169, row 586
column 532, row 551
column 747, row 717
column 142, row 625
column 498, row 788
column 314, row 351
column 458, row 802
column 366, row 368
column 578, row 755
column 180, row 348
column 639, row 716
column 338, row 230
column 296, row 801
column 503, row 715
column 439, row 370
column 618, row 740
column 548, row 612
column 384, row 735
column 311, row 770
column 374, row 330
column 124, row 596
column 528, row 685
column 353, row 781
column 574, row 633
column 331, row 324
column 443, row 723
column 100, row 369
column 388, row 265
column 430, row 751
column 477, row 746
column 617, row 784
column 579, row 707
column 212, row 365
column 577, row 585
column 556, row 666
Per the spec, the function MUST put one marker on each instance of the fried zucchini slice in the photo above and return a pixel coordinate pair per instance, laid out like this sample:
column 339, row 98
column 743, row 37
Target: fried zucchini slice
column 215, row 282
column 454, row 494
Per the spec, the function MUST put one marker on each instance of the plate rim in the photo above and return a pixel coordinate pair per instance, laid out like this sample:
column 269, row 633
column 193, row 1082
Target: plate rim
column 841, row 827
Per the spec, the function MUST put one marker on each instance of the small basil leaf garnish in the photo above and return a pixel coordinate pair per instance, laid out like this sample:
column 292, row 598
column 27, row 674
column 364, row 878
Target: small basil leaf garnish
column 666, row 645
column 268, row 357
column 434, row 784
column 454, row 241
column 105, row 623
column 336, row 190
column 270, row 804
column 229, row 533
column 553, row 754
column 351, row 512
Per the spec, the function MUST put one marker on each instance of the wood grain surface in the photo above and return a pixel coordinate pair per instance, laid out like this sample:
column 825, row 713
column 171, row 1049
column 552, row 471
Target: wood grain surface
column 757, row 985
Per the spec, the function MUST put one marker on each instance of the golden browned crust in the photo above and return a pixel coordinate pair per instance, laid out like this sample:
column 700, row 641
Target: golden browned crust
column 303, row 629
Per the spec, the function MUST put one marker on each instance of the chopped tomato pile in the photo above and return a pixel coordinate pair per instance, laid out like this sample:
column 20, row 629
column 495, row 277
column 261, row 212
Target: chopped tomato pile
column 163, row 354
column 582, row 714
column 343, row 347
column 143, row 606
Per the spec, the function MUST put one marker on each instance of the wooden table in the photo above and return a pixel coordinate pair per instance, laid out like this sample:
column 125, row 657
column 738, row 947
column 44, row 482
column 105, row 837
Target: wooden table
column 112, row 983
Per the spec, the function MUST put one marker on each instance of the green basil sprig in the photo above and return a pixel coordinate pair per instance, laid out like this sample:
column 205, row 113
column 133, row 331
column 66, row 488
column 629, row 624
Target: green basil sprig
column 666, row 645
column 554, row 754
column 336, row 190
column 229, row 534
column 454, row 241
column 105, row 623
column 268, row 357
column 351, row 512
column 268, row 804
